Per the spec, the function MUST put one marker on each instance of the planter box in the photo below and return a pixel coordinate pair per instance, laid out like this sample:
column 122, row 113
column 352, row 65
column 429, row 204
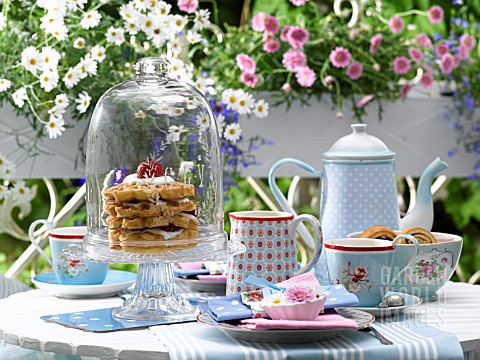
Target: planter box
column 415, row 129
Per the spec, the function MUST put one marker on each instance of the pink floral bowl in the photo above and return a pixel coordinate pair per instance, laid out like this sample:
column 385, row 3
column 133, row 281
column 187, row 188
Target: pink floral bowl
column 280, row 307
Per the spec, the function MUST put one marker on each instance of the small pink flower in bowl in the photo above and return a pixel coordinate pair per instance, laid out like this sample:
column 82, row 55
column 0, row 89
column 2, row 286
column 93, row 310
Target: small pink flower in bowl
column 297, row 303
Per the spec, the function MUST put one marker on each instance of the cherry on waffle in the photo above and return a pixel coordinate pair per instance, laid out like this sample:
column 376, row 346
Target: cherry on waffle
column 149, row 169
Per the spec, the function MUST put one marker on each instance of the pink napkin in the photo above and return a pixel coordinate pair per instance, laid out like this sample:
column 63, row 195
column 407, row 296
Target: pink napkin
column 325, row 321
column 213, row 278
column 307, row 279
column 190, row 265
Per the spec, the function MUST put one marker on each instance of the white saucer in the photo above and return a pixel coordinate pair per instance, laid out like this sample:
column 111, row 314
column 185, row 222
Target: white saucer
column 201, row 286
column 410, row 301
column 115, row 282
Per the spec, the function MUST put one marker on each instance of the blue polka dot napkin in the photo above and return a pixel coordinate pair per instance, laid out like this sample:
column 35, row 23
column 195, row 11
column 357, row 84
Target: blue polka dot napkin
column 228, row 308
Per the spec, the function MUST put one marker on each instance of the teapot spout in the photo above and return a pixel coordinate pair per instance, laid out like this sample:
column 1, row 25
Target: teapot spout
column 422, row 214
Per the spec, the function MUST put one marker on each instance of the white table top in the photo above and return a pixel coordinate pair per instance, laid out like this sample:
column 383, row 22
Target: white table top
column 457, row 311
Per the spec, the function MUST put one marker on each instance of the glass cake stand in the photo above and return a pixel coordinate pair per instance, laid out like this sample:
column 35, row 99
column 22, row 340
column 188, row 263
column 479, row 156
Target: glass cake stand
column 155, row 296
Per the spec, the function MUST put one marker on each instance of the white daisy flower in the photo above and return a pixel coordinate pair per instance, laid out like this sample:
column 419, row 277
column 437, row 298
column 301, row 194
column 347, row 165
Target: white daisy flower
column 51, row 21
column 31, row 59
column 131, row 28
column 157, row 33
column 202, row 121
column 230, row 98
column 140, row 114
column 128, row 13
column 176, row 111
column 74, row 5
column 62, row 101
column 59, row 6
column 79, row 43
column 115, row 35
column 3, row 21
column 83, row 102
column 177, row 68
column 55, row 111
column 175, row 46
column 98, row 53
column 90, row 19
column 147, row 23
column 55, row 126
column 174, row 133
column 87, row 66
column 19, row 97
column 3, row 160
column 4, row 192
column 141, row 5
column 72, row 77
column 21, row 193
column 60, row 32
column 245, row 103
column 178, row 22
column 5, row 85
column 202, row 19
column 163, row 9
column 160, row 109
column 232, row 132
column 201, row 85
column 7, row 171
column 50, row 57
column 191, row 104
column 220, row 122
column 49, row 80
column 193, row 37
column 261, row 109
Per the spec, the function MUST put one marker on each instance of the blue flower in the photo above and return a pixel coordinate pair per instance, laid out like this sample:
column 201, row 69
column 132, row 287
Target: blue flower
column 451, row 152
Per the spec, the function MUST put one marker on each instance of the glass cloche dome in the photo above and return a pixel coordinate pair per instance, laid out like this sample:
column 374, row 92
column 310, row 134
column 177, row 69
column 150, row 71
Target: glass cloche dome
column 154, row 171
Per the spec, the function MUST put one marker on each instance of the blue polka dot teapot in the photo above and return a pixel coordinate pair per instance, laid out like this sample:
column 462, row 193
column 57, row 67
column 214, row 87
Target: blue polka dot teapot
column 359, row 188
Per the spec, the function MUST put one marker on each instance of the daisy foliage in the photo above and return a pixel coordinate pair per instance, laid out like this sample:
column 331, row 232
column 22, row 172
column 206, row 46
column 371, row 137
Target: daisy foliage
column 59, row 56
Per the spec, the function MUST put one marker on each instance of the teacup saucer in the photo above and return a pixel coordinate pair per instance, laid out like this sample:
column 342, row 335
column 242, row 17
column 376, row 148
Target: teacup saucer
column 410, row 301
column 115, row 282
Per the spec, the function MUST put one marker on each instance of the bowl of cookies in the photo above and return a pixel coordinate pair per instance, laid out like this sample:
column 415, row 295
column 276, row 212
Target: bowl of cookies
column 432, row 268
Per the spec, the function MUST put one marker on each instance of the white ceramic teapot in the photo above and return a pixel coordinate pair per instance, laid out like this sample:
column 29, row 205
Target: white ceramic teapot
column 359, row 188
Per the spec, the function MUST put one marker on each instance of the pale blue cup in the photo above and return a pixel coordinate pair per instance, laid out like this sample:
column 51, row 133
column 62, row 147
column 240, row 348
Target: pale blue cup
column 364, row 266
column 69, row 271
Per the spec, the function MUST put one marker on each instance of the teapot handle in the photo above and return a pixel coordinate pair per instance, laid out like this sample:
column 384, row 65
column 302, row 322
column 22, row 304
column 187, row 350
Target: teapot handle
column 304, row 233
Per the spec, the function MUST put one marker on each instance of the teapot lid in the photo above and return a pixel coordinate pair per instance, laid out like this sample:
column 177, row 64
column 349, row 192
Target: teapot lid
column 359, row 145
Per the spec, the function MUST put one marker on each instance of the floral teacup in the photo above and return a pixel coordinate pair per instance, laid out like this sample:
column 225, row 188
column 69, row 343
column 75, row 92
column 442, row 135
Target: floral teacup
column 69, row 271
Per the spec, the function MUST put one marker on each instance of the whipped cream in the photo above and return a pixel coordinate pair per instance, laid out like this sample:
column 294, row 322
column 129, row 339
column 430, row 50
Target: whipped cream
column 133, row 179
column 155, row 231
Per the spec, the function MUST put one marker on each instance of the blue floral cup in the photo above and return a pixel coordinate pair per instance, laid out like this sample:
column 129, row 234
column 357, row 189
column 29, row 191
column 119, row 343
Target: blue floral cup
column 364, row 266
column 69, row 271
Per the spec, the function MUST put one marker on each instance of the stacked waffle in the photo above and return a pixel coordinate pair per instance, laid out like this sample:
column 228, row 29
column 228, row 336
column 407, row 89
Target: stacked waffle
column 151, row 214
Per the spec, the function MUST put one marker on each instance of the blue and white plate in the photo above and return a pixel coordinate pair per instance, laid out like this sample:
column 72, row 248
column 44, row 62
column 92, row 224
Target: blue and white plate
column 410, row 301
column 115, row 282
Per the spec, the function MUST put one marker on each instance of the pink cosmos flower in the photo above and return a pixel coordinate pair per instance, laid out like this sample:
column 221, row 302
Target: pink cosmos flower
column 246, row 63
column 249, row 79
column 305, row 76
column 298, row 2
column 423, row 40
column 441, row 49
column 284, row 32
column 297, row 36
column 271, row 24
column 435, row 14
column 286, row 88
column 271, row 46
column 189, row 6
column 376, row 67
column 426, row 80
column 415, row 54
column 298, row 294
column 365, row 100
column 329, row 79
column 293, row 59
column 340, row 57
column 396, row 24
column 447, row 63
column 401, row 65
column 463, row 52
column 405, row 90
column 467, row 41
column 267, row 36
column 456, row 60
column 355, row 70
column 375, row 42
column 258, row 22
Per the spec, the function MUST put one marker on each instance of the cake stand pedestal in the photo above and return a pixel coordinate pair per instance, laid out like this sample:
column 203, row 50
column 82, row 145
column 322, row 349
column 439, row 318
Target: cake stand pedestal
column 156, row 297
